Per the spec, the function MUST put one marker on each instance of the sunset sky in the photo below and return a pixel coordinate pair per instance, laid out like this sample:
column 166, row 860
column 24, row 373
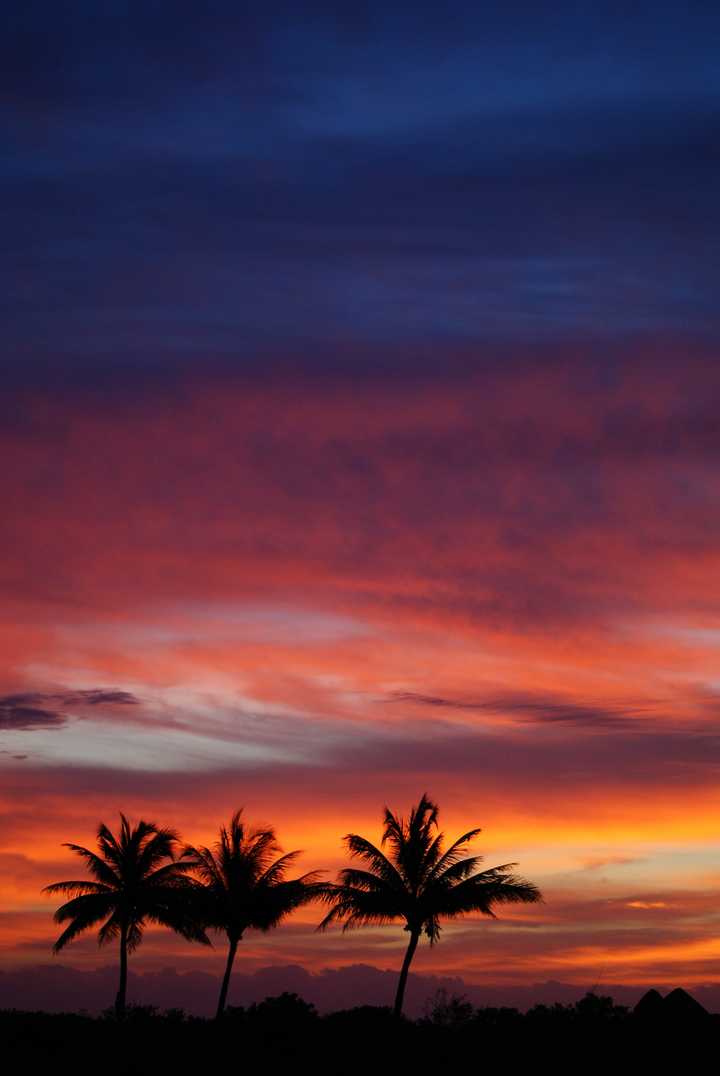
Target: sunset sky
column 359, row 438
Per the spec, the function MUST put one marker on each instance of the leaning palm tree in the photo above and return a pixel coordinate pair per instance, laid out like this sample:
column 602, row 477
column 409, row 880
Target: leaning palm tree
column 137, row 880
column 419, row 882
column 244, row 886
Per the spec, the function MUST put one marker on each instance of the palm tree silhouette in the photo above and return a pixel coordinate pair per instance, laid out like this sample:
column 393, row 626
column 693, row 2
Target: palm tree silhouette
column 244, row 886
column 419, row 882
column 138, row 880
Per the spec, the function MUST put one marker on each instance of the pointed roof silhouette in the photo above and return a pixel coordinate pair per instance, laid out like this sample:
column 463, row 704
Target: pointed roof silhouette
column 678, row 1005
column 650, row 1005
column 682, row 1006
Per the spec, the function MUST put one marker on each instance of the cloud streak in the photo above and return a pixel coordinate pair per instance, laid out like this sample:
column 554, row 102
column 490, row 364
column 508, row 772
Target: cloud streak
column 530, row 709
column 36, row 710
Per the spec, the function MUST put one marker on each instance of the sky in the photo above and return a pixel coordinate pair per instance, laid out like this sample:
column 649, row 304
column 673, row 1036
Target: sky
column 359, row 439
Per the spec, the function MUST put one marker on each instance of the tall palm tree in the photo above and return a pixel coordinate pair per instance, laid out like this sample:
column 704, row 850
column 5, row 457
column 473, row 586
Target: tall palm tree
column 137, row 880
column 419, row 882
column 243, row 877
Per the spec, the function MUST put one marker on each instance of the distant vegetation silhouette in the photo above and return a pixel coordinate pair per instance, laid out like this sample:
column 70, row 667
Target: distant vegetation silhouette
column 243, row 886
column 287, row 1034
column 138, row 880
column 419, row 882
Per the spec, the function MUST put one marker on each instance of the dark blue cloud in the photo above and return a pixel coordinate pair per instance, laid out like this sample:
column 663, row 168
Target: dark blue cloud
column 230, row 184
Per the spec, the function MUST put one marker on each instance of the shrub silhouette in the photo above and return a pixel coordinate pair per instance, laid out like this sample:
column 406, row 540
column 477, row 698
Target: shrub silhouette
column 449, row 1010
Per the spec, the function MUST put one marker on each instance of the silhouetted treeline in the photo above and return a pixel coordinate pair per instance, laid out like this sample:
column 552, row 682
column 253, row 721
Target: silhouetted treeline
column 286, row 1031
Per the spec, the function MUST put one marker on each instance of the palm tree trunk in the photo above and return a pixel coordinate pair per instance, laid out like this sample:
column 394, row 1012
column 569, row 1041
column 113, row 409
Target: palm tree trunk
column 226, row 978
column 122, row 988
column 410, row 953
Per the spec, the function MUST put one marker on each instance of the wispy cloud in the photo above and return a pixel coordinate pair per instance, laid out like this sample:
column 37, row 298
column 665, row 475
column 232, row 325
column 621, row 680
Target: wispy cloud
column 36, row 710
column 20, row 712
column 531, row 709
column 596, row 863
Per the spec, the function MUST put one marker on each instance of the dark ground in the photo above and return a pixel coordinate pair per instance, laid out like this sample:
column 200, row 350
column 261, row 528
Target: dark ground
column 285, row 1032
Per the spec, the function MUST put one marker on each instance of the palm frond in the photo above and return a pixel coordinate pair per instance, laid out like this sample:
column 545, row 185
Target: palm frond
column 431, row 928
column 70, row 933
column 361, row 848
column 262, row 848
column 135, row 934
column 371, row 883
column 411, row 842
column 359, row 907
column 97, row 866
column 277, row 870
column 111, row 849
column 110, row 929
column 455, row 851
column 274, row 902
column 433, row 854
column 457, row 871
column 422, row 818
column 393, row 833
column 93, row 904
column 77, row 888
column 481, row 892
column 169, row 873
column 82, row 916
column 206, row 867
column 154, row 847
column 180, row 919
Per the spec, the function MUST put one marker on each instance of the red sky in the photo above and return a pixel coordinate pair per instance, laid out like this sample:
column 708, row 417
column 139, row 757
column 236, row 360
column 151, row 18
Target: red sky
column 318, row 598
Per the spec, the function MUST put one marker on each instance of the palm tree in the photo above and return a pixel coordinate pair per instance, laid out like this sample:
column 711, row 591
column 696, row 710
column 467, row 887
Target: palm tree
column 245, row 886
column 419, row 882
column 138, row 880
